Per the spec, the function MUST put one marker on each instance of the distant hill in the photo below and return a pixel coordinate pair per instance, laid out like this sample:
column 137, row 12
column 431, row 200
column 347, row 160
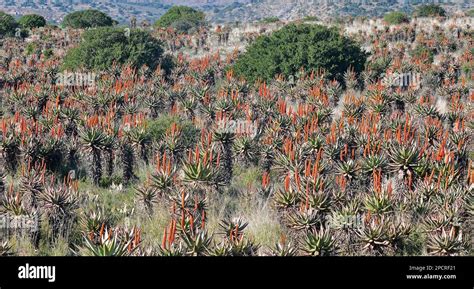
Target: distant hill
column 225, row 10
column 295, row 9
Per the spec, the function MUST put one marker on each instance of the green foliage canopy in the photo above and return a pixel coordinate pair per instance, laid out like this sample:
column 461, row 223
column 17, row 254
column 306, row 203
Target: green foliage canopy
column 32, row 21
column 293, row 47
column 7, row 24
column 430, row 10
column 182, row 18
column 87, row 18
column 101, row 47
column 396, row 17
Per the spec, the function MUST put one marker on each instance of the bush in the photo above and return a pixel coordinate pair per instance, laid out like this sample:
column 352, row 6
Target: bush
column 268, row 20
column 293, row 47
column 32, row 21
column 379, row 66
column 183, row 25
column 106, row 182
column 167, row 63
column 31, row 48
column 157, row 128
column 182, row 18
column 396, row 17
column 48, row 53
column 430, row 10
column 87, row 18
column 422, row 50
column 7, row 24
column 104, row 46
column 310, row 18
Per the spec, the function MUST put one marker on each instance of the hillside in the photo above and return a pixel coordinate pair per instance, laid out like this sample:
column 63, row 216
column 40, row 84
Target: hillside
column 224, row 10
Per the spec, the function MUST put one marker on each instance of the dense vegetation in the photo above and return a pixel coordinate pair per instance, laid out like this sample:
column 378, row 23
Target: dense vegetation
column 182, row 18
column 105, row 46
column 7, row 24
column 32, row 21
column 311, row 47
column 87, row 18
column 396, row 17
column 197, row 161
column 430, row 10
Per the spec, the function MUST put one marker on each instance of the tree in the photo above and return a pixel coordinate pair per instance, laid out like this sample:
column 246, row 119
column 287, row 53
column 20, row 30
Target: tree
column 293, row 47
column 32, row 21
column 87, row 18
column 396, row 17
column 182, row 18
column 7, row 24
column 101, row 47
column 430, row 10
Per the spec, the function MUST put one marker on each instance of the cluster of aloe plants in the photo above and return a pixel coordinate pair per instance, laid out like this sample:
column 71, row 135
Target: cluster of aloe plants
column 351, row 168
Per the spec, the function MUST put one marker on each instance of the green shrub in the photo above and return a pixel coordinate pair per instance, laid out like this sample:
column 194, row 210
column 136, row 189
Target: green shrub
column 183, row 25
column 7, row 24
column 293, row 47
column 47, row 53
column 86, row 19
column 422, row 49
column 379, row 66
column 106, row 182
column 310, row 18
column 32, row 21
column 396, row 17
column 167, row 64
column 430, row 10
column 31, row 48
column 157, row 128
column 181, row 18
column 101, row 47
column 272, row 19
